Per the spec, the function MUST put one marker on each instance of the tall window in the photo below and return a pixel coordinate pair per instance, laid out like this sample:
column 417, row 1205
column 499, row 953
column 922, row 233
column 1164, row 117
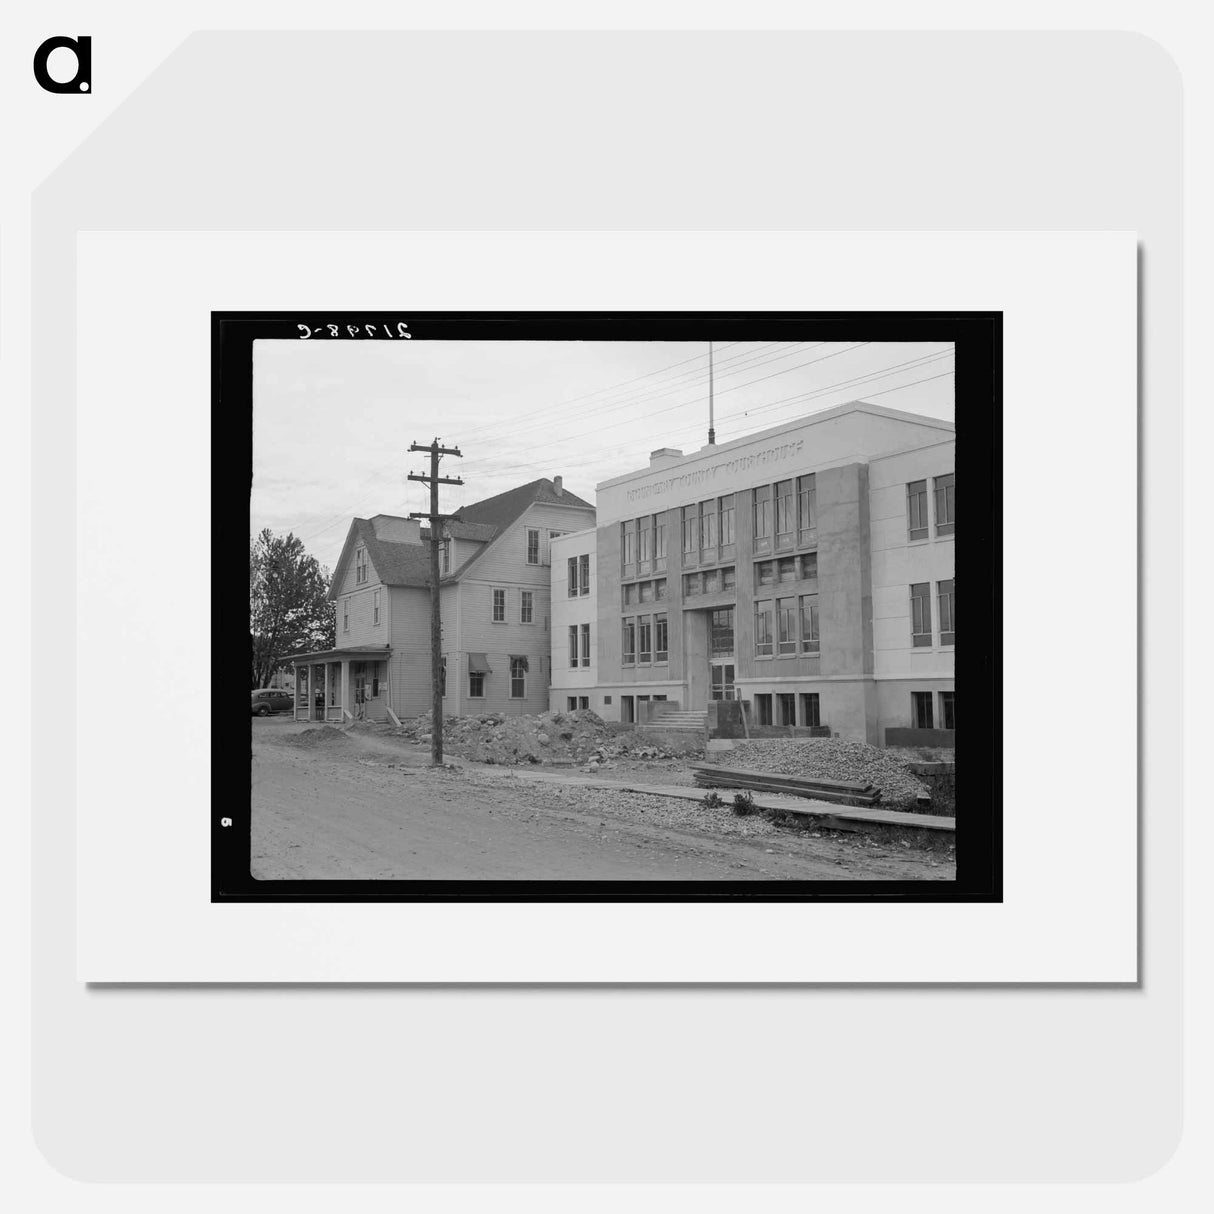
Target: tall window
column 527, row 607
column 784, row 513
column 945, row 503
column 446, row 553
column 921, row 615
column 807, row 504
column 573, row 645
column 811, row 710
column 533, row 546
column 499, row 606
column 345, row 615
column 916, row 510
column 476, row 684
column 921, row 709
column 761, row 504
column 585, row 644
column 628, row 539
column 518, row 678
column 727, row 534
column 629, row 655
column 360, row 566
column 786, row 614
column 646, row 631
column 810, row 641
column 763, row 642
column 708, row 524
column 944, row 599
column 659, row 541
column 573, row 577
column 691, row 531
column 645, row 532
column 721, row 633
column 660, row 652
column 948, row 713
column 374, row 606
column 583, row 568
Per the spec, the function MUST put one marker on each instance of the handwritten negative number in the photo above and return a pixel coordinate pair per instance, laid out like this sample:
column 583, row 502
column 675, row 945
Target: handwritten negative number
column 402, row 330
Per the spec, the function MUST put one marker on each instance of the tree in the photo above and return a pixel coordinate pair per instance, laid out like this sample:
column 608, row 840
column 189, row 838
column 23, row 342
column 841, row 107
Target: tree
column 289, row 608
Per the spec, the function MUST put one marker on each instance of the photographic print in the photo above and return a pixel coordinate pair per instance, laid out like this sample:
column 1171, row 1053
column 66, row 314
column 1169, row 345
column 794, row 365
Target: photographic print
column 630, row 606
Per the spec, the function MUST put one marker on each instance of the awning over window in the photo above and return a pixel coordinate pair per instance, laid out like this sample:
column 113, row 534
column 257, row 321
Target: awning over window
column 514, row 657
column 479, row 664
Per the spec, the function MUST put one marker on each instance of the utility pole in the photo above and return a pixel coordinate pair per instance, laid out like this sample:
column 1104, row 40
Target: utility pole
column 712, row 433
column 436, row 617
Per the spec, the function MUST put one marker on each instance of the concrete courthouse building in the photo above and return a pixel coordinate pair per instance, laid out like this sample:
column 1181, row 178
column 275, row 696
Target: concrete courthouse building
column 808, row 570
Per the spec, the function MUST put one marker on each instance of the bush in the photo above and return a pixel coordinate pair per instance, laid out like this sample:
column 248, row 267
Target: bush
column 712, row 801
column 743, row 804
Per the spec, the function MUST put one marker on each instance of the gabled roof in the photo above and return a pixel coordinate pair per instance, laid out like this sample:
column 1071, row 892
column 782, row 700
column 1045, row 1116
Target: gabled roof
column 499, row 513
column 395, row 564
column 502, row 510
column 400, row 564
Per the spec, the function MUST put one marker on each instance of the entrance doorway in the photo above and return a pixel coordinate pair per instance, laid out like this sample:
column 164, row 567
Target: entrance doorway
column 721, row 687
column 721, row 655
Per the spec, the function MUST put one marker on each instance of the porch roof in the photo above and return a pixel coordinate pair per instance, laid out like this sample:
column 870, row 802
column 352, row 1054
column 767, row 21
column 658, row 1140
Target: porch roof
column 368, row 653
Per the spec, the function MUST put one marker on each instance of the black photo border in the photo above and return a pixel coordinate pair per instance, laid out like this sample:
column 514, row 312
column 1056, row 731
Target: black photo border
column 979, row 397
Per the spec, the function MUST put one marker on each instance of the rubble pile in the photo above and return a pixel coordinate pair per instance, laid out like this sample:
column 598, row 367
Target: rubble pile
column 832, row 759
column 580, row 738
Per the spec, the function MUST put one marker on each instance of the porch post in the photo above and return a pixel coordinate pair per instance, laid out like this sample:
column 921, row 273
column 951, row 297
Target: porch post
column 346, row 698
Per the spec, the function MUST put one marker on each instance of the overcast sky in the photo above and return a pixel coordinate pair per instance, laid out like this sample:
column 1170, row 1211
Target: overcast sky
column 333, row 420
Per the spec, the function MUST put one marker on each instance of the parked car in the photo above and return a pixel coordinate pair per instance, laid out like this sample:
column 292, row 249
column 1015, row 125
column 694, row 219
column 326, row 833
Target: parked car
column 270, row 699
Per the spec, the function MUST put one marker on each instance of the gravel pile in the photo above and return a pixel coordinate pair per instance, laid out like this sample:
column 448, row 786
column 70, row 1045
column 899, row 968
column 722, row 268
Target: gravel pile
column 322, row 737
column 831, row 759
column 580, row 738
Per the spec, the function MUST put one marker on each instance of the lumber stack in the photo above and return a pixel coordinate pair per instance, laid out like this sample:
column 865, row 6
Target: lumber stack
column 840, row 792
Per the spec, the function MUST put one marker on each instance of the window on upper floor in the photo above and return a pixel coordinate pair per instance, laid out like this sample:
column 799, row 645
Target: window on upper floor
column 944, row 488
column 360, row 565
column 345, row 615
column 916, row 510
column 945, row 603
column 533, row 546
column 573, row 655
column 583, row 571
column 499, row 606
column 572, row 579
column 727, row 531
column 446, row 555
column 786, row 617
column 629, row 646
column 810, row 642
column 527, row 607
column 785, row 516
column 374, row 606
column 645, row 631
column 807, row 505
column 921, row 615
column 763, row 637
column 585, row 630
column 659, row 637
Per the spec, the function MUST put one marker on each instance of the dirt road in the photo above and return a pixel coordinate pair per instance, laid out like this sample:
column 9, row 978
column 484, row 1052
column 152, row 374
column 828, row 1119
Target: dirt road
column 328, row 804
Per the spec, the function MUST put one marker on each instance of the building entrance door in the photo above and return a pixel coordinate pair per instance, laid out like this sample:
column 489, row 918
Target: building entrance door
column 722, row 687
column 721, row 656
